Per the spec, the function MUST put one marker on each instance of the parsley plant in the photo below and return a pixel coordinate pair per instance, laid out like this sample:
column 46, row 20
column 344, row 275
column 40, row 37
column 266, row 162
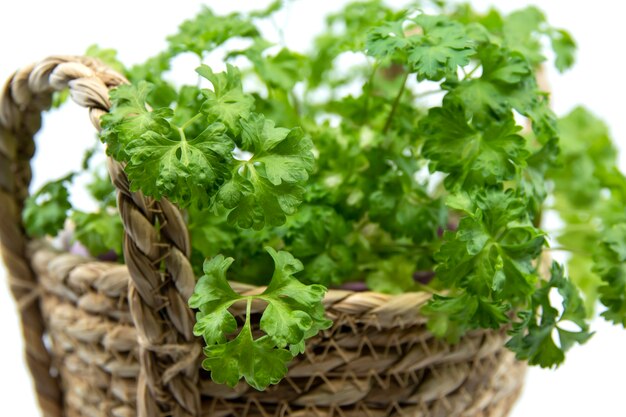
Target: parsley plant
column 433, row 175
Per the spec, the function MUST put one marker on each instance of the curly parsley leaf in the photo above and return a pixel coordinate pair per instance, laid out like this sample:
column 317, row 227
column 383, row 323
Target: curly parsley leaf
column 285, row 290
column 495, row 244
column 269, row 186
column 533, row 337
column 521, row 31
column 160, row 159
column 226, row 103
column 107, row 56
column 392, row 276
column 346, row 30
column 184, row 170
column 206, row 31
column 282, row 70
column 405, row 208
column 564, row 48
column 440, row 49
column 129, row 118
column 45, row 211
column 258, row 361
column 472, row 156
column 434, row 46
column 316, row 234
column 100, row 232
column 293, row 314
column 213, row 296
column 589, row 194
column 386, row 40
column 610, row 265
column 163, row 93
column 506, row 82
column 452, row 316
column 524, row 30
column 488, row 261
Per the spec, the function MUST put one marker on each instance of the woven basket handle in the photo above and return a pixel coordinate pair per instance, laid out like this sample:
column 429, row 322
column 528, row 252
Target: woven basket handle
column 168, row 351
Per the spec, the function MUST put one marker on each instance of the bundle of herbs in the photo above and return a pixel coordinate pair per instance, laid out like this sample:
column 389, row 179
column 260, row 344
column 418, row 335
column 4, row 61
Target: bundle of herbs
column 408, row 150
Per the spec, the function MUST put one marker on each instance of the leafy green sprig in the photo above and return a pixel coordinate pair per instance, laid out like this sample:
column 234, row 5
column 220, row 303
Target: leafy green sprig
column 189, row 158
column 293, row 313
column 47, row 211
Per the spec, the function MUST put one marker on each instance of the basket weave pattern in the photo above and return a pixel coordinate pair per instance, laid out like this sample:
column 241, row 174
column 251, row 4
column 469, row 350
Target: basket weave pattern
column 121, row 335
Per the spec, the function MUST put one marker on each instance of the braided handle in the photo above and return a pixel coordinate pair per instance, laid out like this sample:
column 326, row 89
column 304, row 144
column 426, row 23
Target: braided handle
column 169, row 353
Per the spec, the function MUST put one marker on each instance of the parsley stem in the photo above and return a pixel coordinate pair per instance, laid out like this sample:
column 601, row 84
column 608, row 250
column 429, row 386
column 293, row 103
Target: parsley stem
column 181, row 133
column 396, row 102
column 368, row 90
column 190, row 121
column 248, row 310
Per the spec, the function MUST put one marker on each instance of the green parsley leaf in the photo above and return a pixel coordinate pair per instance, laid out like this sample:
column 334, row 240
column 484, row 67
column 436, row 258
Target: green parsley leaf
column 206, row 31
column 610, row 264
column 213, row 296
column 45, row 211
column 405, row 209
column 472, row 156
column 107, row 55
column 102, row 190
column 258, row 361
column 346, row 30
column 521, row 31
column 316, row 234
column 184, row 170
column 160, row 159
column 564, row 48
column 268, row 186
column 282, row 70
column 100, row 232
column 129, row 118
column 533, row 336
column 162, row 93
column 506, row 82
column 589, row 193
column 440, row 47
column 440, row 50
column 386, row 40
column 491, row 252
column 450, row 317
column 293, row 314
column 227, row 103
column 392, row 276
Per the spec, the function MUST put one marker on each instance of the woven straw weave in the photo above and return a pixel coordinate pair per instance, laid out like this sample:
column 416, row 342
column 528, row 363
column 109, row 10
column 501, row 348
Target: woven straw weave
column 121, row 341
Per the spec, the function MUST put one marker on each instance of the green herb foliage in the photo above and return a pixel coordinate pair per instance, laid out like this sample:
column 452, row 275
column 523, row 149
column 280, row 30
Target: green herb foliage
column 293, row 314
column 441, row 162
column 47, row 211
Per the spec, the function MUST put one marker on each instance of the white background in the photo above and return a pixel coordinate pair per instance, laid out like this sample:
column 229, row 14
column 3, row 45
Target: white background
column 591, row 381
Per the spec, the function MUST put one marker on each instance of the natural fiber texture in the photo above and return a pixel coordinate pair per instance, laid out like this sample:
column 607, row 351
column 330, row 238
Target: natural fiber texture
column 121, row 336
column 157, row 299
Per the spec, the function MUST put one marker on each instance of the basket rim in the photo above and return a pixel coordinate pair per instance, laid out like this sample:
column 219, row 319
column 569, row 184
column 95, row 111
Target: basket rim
column 401, row 309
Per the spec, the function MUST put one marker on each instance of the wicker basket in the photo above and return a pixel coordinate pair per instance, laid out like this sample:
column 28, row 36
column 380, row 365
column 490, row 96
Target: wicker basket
column 120, row 336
